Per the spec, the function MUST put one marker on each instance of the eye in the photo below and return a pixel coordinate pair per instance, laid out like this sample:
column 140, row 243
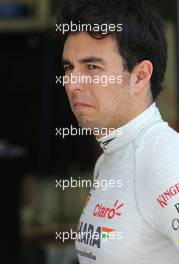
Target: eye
column 68, row 67
column 93, row 67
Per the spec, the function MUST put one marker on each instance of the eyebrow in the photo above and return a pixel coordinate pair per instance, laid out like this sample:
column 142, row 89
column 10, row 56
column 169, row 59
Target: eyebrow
column 85, row 60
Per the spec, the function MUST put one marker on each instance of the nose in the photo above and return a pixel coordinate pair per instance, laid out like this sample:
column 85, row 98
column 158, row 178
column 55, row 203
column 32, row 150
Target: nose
column 74, row 82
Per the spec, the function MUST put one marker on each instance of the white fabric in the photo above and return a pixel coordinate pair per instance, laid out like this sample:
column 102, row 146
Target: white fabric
column 142, row 215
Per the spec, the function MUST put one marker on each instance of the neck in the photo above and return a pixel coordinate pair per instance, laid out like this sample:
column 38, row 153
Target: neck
column 128, row 132
column 123, row 122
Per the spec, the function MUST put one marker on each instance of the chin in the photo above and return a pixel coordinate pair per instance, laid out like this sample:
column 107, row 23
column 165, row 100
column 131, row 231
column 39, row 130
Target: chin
column 88, row 124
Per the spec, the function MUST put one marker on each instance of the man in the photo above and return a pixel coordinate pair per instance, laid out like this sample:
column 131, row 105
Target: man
column 137, row 222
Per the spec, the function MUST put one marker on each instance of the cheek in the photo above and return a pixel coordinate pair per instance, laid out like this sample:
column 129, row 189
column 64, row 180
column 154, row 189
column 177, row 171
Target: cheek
column 113, row 92
column 108, row 98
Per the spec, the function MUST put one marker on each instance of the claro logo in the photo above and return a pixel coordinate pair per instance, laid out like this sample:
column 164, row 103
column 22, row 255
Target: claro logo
column 108, row 212
column 167, row 195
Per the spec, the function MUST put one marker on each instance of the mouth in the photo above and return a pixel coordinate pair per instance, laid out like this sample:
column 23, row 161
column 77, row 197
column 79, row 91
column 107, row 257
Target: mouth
column 81, row 105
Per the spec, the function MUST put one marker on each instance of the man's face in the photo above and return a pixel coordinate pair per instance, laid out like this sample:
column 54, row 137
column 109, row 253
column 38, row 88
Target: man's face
column 95, row 105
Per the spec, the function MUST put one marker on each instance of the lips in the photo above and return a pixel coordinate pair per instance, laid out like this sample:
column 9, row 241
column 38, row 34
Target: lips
column 80, row 105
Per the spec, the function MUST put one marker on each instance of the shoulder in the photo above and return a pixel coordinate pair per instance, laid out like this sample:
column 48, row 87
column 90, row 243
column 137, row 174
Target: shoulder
column 157, row 153
column 157, row 177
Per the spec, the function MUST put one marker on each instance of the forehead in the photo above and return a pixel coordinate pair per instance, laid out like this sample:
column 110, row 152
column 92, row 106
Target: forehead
column 82, row 44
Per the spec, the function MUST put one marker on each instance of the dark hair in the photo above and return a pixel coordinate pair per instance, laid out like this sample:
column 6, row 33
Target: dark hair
column 142, row 37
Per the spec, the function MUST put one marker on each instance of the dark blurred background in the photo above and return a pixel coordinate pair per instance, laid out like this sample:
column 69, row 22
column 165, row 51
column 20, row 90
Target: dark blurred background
column 32, row 157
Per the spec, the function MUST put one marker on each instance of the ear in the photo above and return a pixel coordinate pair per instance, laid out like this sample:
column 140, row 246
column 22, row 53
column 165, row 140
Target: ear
column 143, row 72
